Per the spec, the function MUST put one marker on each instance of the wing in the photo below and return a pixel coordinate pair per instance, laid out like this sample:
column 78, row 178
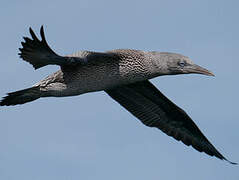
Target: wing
column 153, row 109
column 38, row 53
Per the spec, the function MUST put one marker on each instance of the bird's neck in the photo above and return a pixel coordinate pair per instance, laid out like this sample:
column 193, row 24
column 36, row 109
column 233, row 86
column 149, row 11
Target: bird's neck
column 156, row 63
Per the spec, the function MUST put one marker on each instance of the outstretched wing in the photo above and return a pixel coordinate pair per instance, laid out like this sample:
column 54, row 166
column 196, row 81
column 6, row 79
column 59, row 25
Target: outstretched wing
column 153, row 109
column 38, row 53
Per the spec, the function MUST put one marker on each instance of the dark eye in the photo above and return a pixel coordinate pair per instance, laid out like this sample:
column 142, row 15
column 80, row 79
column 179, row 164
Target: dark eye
column 181, row 63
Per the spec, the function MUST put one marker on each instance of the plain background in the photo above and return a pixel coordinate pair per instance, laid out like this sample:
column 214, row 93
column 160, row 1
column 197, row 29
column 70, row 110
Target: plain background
column 91, row 136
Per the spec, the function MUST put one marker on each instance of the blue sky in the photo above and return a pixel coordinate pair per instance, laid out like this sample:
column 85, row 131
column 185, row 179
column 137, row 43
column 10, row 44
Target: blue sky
column 91, row 136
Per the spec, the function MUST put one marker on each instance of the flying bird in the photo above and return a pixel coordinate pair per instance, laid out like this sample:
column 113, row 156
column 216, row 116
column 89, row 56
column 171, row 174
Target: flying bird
column 124, row 75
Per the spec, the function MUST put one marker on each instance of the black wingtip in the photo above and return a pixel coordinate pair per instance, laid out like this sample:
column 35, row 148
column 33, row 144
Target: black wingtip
column 42, row 28
column 34, row 47
column 42, row 34
column 34, row 37
column 231, row 162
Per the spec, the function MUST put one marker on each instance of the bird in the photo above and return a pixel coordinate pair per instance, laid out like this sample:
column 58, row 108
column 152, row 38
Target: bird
column 124, row 75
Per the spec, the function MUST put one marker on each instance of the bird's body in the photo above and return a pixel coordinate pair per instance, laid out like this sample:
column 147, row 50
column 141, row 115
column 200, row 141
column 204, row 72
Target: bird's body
column 123, row 74
column 97, row 75
column 110, row 69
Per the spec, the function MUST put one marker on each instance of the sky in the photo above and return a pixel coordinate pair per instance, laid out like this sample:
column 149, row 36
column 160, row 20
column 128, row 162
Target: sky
column 91, row 136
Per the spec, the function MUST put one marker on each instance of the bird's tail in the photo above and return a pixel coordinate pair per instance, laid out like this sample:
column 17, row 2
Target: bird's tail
column 21, row 97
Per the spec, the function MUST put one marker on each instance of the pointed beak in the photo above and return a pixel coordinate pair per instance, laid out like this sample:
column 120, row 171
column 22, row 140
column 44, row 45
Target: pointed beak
column 199, row 70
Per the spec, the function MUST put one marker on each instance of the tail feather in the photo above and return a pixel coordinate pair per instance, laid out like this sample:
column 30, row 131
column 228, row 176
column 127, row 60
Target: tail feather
column 21, row 97
column 38, row 53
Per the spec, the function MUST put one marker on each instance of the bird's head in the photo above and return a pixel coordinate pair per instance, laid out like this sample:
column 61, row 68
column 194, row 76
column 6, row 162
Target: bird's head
column 171, row 63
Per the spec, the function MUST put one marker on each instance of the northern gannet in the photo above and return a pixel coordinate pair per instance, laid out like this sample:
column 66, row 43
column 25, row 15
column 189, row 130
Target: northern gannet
column 124, row 75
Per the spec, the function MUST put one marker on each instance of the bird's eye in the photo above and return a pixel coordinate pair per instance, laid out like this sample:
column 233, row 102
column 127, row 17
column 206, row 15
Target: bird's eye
column 181, row 63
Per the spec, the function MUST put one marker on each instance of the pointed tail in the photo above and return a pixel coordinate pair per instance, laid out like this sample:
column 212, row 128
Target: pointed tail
column 21, row 97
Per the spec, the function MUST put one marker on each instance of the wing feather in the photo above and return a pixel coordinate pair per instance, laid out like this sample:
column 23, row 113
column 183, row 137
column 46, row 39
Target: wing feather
column 38, row 53
column 153, row 109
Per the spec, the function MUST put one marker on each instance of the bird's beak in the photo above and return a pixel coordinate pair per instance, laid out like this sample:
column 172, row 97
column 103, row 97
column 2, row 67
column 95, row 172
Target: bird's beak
column 199, row 70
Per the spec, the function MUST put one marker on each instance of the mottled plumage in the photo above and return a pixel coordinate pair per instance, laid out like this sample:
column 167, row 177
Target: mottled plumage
column 124, row 74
